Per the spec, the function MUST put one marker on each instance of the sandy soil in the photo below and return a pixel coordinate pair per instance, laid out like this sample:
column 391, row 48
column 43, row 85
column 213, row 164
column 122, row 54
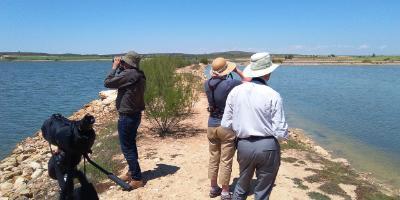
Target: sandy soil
column 176, row 167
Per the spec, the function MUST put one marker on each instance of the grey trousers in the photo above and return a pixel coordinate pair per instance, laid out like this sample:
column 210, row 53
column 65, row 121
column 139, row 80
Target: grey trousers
column 261, row 156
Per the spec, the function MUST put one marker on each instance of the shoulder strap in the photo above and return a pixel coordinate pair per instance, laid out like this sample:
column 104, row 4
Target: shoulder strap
column 214, row 87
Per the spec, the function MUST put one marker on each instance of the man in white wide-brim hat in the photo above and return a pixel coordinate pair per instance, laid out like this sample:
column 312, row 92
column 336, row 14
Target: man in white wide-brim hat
column 254, row 112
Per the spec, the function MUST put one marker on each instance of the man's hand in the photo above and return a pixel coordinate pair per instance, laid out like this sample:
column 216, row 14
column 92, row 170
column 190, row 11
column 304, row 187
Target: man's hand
column 117, row 61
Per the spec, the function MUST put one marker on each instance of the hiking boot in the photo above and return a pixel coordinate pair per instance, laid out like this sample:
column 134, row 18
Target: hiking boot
column 126, row 177
column 215, row 191
column 227, row 196
column 136, row 184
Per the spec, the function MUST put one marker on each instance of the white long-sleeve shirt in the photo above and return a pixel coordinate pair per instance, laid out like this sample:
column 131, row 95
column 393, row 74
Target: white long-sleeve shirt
column 255, row 109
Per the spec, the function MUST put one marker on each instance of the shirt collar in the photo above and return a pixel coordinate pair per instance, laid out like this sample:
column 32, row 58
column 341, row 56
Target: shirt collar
column 259, row 80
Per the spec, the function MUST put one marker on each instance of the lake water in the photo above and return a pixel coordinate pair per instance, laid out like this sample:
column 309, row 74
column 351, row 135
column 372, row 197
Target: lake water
column 32, row 91
column 353, row 111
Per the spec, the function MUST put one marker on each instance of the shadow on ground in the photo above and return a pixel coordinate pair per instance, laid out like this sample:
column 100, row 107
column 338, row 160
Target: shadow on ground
column 160, row 171
column 253, row 183
column 180, row 131
column 187, row 131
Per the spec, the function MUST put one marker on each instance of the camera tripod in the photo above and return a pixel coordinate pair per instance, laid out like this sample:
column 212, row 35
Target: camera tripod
column 65, row 169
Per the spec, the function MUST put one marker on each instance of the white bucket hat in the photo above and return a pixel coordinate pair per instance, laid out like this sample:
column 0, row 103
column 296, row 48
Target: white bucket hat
column 260, row 65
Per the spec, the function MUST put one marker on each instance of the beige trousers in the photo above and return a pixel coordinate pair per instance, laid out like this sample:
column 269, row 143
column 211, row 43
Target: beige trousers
column 222, row 148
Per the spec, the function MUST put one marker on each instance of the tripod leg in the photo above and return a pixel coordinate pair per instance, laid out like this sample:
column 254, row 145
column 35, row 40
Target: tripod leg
column 68, row 187
column 87, row 190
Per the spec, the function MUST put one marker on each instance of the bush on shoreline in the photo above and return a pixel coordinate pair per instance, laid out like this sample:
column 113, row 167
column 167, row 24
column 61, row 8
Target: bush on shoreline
column 169, row 96
column 204, row 60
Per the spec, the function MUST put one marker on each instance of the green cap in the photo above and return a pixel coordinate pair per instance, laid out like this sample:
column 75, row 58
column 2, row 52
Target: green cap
column 132, row 58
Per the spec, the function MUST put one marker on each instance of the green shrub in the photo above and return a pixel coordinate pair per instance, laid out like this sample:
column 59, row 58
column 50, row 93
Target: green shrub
column 169, row 96
column 9, row 58
column 289, row 57
column 367, row 61
column 277, row 60
column 204, row 61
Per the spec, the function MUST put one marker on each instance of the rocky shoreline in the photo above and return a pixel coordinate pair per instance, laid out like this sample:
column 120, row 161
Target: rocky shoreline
column 305, row 169
column 24, row 171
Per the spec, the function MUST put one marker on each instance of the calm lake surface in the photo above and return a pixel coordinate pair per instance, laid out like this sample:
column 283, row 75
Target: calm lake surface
column 32, row 91
column 353, row 111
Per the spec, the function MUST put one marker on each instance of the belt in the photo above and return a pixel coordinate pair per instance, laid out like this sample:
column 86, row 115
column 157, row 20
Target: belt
column 253, row 138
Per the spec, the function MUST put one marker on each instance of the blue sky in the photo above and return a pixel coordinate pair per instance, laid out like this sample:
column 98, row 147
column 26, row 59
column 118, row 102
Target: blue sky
column 298, row 26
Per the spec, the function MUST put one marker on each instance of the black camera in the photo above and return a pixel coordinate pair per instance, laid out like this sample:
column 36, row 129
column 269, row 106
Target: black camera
column 74, row 139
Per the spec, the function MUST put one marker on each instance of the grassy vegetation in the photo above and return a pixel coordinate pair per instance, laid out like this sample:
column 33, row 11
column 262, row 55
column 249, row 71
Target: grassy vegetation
column 278, row 60
column 368, row 192
column 334, row 173
column 54, row 58
column 301, row 162
column 289, row 159
column 105, row 149
column 294, row 144
column 299, row 183
column 318, row 196
column 332, row 188
column 376, row 58
column 331, row 175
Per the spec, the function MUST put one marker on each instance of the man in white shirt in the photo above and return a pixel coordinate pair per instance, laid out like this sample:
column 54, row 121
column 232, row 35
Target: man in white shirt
column 254, row 112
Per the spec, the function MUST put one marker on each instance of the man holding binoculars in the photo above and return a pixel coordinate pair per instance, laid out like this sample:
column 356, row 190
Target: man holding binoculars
column 130, row 82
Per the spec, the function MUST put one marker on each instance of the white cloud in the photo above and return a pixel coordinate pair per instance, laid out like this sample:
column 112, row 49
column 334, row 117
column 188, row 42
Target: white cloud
column 363, row 46
column 297, row 47
column 382, row 47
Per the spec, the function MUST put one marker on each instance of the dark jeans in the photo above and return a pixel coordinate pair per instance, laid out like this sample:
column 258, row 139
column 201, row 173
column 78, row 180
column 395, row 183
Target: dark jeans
column 127, row 131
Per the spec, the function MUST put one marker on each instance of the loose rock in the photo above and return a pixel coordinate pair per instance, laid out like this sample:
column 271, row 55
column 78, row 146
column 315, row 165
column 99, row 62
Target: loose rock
column 6, row 186
column 34, row 165
column 36, row 174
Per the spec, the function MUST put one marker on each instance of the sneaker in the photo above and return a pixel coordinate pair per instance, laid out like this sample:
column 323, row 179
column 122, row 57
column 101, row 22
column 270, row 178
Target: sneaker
column 136, row 184
column 215, row 191
column 126, row 177
column 227, row 196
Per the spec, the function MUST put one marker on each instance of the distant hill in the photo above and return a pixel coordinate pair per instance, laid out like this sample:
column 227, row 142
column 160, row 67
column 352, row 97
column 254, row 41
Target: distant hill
column 232, row 53
column 72, row 56
column 237, row 56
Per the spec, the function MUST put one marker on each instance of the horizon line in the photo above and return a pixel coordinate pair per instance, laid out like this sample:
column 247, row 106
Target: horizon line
column 208, row 53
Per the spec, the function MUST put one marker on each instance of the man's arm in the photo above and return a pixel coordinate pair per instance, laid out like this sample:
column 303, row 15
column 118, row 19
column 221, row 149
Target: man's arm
column 240, row 73
column 228, row 112
column 279, row 120
column 115, row 81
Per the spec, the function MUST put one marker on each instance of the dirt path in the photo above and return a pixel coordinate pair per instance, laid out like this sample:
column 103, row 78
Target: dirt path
column 176, row 168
